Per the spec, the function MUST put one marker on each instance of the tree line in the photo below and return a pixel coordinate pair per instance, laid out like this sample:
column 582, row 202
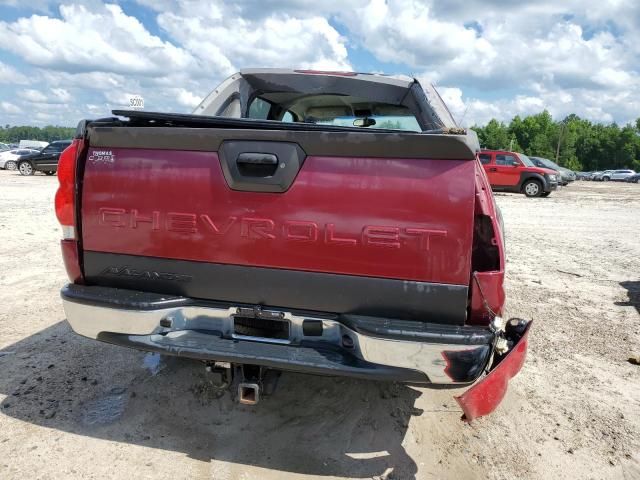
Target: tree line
column 573, row 142
column 13, row 134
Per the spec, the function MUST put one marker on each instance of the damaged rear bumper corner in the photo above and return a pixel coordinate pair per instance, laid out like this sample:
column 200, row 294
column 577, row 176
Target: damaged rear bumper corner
column 430, row 355
column 485, row 395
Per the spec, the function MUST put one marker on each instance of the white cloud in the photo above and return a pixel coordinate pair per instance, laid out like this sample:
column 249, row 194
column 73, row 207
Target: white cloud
column 495, row 45
column 406, row 31
column 44, row 117
column 104, row 39
column 88, row 80
column 564, row 56
column 60, row 95
column 492, row 58
column 452, row 97
column 224, row 42
column 32, row 95
column 594, row 105
column 8, row 107
column 187, row 98
column 102, row 55
column 10, row 75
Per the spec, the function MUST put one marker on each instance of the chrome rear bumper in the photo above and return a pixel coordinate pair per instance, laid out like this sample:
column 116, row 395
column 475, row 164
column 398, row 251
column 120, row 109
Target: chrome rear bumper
column 365, row 347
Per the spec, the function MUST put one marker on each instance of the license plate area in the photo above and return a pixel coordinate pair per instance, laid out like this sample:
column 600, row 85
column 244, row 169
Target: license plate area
column 261, row 328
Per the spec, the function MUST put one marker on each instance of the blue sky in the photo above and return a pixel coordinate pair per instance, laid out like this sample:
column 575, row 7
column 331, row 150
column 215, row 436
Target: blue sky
column 61, row 62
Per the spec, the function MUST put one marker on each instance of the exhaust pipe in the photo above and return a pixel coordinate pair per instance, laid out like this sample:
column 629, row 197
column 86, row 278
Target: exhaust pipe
column 248, row 393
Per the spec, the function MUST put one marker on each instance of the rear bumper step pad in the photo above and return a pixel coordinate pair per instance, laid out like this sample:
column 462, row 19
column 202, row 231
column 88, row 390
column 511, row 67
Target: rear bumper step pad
column 313, row 360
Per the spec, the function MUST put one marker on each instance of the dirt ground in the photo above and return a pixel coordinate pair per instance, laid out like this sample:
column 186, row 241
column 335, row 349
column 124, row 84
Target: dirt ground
column 74, row 408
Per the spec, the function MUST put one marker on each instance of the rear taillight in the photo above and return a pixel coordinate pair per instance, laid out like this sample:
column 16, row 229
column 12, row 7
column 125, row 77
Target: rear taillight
column 65, row 196
column 66, row 209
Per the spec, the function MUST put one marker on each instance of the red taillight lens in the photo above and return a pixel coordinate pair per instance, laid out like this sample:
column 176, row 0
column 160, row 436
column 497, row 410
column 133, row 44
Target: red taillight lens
column 65, row 196
column 66, row 209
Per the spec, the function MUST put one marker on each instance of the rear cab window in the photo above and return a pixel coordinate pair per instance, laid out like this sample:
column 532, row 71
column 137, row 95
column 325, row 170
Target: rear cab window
column 485, row 158
column 328, row 109
column 259, row 109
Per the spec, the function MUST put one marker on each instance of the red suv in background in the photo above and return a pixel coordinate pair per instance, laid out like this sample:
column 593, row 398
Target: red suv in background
column 515, row 172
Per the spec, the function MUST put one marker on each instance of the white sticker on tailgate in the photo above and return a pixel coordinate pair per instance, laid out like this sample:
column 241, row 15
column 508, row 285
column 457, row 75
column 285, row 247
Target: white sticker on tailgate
column 102, row 156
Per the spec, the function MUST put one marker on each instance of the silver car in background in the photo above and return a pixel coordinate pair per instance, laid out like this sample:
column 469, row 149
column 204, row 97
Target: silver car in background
column 617, row 175
column 600, row 175
column 9, row 158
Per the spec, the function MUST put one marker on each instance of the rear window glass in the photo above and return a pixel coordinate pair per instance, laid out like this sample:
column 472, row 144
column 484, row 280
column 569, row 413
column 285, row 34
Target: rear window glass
column 332, row 109
column 288, row 117
column 259, row 109
column 485, row 158
column 392, row 122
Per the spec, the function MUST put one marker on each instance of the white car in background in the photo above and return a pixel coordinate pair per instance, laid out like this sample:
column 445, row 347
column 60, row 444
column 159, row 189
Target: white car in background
column 9, row 159
column 620, row 175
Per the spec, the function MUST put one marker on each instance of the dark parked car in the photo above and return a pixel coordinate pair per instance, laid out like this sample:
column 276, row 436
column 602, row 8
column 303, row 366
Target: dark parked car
column 44, row 161
column 565, row 175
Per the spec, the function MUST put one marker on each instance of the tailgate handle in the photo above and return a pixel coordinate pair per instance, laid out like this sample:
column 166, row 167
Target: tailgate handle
column 257, row 158
column 257, row 165
column 260, row 166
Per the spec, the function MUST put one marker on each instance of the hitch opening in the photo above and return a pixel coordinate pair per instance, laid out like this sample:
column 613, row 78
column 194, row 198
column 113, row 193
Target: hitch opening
column 248, row 393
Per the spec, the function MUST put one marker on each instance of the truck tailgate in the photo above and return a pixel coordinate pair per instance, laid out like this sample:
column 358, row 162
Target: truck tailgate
column 363, row 223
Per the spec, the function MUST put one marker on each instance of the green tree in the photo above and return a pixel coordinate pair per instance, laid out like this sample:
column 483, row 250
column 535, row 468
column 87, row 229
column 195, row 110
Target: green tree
column 14, row 134
column 574, row 142
column 494, row 135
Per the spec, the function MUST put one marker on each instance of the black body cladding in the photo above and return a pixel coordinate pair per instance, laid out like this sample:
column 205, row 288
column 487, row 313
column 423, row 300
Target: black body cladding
column 291, row 289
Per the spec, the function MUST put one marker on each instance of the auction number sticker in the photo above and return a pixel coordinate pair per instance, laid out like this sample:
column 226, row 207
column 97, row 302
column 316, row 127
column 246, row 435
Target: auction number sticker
column 136, row 101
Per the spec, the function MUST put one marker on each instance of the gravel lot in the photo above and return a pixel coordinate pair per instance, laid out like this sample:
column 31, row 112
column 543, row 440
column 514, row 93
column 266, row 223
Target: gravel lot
column 74, row 408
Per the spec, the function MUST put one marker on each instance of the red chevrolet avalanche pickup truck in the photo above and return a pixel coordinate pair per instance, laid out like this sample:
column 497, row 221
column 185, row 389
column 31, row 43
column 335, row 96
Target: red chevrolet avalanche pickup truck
column 322, row 222
column 515, row 172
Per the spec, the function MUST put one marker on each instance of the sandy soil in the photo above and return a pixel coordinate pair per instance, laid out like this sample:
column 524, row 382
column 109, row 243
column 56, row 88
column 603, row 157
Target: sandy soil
column 74, row 408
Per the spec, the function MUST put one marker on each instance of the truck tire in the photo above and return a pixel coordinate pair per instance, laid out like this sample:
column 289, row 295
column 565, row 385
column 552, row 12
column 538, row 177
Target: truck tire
column 532, row 188
column 605, row 179
column 26, row 168
column 10, row 165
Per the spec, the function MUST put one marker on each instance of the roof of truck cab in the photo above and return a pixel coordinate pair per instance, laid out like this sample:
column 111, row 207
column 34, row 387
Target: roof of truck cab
column 424, row 102
column 396, row 80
